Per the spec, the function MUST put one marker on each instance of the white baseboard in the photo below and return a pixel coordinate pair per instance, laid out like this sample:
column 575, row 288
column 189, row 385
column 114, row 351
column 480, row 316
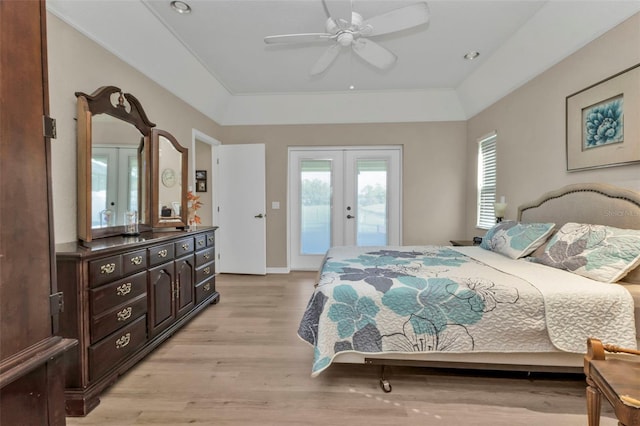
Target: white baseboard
column 285, row 270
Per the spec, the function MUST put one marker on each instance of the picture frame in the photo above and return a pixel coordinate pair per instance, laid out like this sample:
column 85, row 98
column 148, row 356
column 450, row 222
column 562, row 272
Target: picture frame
column 201, row 186
column 603, row 123
column 201, row 175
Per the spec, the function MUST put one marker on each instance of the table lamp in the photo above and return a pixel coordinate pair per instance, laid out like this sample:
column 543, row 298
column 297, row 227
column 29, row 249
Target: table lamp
column 500, row 209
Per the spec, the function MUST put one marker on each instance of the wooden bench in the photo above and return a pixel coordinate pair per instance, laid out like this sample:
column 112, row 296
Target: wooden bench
column 615, row 378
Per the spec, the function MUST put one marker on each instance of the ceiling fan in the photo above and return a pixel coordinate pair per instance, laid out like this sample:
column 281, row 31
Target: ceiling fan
column 356, row 32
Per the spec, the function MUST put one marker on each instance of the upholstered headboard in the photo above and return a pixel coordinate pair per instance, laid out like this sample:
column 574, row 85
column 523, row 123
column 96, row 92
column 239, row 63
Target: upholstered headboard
column 594, row 203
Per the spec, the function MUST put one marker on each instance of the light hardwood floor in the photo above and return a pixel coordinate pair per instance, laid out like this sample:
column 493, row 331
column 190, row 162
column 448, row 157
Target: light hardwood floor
column 241, row 363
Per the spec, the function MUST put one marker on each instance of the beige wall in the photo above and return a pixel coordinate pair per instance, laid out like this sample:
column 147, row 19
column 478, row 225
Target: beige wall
column 203, row 162
column 434, row 172
column 76, row 64
column 530, row 123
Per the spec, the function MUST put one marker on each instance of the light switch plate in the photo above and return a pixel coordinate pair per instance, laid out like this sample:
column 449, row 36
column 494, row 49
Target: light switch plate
column 275, row 205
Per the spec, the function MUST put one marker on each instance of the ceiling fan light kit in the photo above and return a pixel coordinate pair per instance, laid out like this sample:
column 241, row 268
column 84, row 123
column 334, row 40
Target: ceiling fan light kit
column 356, row 32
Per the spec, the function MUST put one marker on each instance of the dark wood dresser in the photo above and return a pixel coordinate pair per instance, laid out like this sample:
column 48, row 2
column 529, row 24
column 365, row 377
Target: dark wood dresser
column 123, row 297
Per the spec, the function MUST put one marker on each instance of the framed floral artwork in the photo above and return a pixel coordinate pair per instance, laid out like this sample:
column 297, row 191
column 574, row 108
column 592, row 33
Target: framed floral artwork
column 603, row 123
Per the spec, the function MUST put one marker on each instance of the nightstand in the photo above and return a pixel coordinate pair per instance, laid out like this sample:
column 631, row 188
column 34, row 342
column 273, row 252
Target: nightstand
column 459, row 243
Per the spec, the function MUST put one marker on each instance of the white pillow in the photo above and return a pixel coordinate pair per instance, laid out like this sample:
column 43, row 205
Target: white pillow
column 599, row 252
column 515, row 239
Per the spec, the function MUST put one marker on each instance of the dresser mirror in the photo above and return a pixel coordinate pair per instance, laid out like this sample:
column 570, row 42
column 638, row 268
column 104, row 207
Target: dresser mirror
column 113, row 164
column 169, row 192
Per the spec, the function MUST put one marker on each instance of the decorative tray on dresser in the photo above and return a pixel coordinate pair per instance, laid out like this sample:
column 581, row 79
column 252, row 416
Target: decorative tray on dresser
column 123, row 297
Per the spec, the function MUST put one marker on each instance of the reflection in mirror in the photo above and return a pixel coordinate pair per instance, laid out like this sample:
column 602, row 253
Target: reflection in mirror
column 115, row 171
column 170, row 170
column 170, row 167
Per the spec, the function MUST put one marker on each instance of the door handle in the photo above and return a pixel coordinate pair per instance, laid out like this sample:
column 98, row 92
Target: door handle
column 350, row 217
column 260, row 216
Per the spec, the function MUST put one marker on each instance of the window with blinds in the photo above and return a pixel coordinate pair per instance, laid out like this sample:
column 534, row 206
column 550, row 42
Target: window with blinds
column 486, row 181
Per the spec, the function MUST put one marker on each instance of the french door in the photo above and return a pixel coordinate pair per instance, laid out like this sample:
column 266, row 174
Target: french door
column 342, row 196
column 114, row 184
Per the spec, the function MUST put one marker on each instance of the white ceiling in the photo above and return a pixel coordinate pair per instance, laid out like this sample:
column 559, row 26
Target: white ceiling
column 227, row 37
column 217, row 53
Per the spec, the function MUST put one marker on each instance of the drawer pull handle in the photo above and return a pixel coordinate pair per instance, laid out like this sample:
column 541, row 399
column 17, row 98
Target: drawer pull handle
column 123, row 289
column 201, row 242
column 207, row 287
column 207, row 270
column 163, row 253
column 108, row 268
column 185, row 246
column 207, row 255
column 123, row 341
column 136, row 260
column 125, row 314
column 210, row 239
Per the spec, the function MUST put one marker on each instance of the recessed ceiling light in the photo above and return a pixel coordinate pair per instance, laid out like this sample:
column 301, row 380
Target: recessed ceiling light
column 472, row 55
column 180, row 7
column 352, row 87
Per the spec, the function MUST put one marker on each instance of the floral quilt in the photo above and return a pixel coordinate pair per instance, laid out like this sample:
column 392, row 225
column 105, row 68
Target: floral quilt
column 417, row 299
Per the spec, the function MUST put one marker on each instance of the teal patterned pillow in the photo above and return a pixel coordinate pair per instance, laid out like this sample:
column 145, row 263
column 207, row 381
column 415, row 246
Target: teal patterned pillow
column 599, row 252
column 515, row 239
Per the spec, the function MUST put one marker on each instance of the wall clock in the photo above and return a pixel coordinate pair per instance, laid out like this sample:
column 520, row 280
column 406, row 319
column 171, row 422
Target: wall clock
column 168, row 177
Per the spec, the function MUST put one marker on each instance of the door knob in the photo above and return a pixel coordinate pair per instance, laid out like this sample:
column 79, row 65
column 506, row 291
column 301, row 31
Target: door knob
column 260, row 216
column 350, row 217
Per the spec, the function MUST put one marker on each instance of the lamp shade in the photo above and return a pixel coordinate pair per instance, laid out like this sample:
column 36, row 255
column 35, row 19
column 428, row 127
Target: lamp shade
column 500, row 209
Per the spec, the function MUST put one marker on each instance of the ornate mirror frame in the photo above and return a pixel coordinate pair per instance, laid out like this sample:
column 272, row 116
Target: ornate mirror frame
column 129, row 110
column 169, row 185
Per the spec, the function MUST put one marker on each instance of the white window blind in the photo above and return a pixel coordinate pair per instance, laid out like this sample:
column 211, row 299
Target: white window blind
column 486, row 181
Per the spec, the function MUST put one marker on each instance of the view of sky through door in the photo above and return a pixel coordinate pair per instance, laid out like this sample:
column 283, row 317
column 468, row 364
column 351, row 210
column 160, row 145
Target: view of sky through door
column 370, row 211
column 372, row 202
column 315, row 197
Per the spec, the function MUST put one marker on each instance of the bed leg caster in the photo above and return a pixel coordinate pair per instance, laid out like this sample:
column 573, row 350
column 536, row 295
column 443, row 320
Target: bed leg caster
column 384, row 383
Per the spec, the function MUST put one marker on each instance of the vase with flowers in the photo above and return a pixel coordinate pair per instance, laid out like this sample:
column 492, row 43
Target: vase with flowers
column 193, row 204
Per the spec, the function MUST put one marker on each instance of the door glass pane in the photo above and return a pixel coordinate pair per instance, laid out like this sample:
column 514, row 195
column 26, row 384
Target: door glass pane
column 100, row 215
column 315, row 205
column 372, row 202
column 132, row 187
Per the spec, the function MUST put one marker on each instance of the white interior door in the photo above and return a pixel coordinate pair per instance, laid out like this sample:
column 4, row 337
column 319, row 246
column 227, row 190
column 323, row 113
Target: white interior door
column 241, row 237
column 348, row 196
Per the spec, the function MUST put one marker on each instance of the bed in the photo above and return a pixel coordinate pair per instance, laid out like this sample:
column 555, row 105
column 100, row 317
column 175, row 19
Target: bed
column 486, row 307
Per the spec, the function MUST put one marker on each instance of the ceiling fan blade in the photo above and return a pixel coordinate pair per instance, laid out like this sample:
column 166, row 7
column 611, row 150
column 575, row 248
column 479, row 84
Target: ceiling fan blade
column 297, row 38
column 339, row 10
column 373, row 53
column 326, row 59
column 397, row 20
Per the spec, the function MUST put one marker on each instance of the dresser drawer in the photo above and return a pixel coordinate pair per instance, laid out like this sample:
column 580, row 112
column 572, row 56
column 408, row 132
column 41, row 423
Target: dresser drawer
column 201, row 241
column 104, row 270
column 205, row 289
column 117, row 346
column 206, row 271
column 211, row 240
column 204, row 256
column 184, row 246
column 134, row 261
column 113, row 319
column 110, row 295
column 160, row 254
